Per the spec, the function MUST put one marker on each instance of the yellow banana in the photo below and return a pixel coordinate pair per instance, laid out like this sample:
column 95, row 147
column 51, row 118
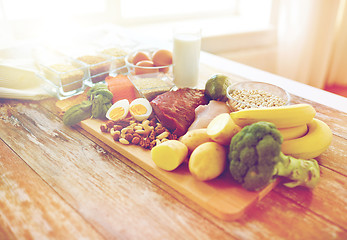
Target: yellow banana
column 311, row 145
column 282, row 117
column 293, row 132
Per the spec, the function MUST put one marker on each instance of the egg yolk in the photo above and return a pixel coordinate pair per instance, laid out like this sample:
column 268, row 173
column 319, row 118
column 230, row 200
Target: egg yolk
column 138, row 109
column 117, row 113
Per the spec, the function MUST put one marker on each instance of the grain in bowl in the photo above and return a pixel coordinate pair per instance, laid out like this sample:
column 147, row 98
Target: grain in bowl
column 244, row 95
column 152, row 85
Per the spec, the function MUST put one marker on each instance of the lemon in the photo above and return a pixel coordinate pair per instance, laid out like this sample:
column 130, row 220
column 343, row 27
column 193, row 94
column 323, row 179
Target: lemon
column 216, row 86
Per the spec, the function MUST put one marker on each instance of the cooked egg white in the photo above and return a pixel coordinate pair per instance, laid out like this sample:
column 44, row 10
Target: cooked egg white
column 140, row 109
column 119, row 110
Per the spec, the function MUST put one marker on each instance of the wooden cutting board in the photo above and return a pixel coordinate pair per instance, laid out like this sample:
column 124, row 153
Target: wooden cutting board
column 221, row 197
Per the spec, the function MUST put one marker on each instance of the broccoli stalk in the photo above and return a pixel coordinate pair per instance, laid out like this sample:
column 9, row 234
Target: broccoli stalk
column 256, row 160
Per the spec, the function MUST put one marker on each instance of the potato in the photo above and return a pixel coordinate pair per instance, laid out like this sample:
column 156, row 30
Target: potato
column 207, row 161
column 194, row 138
column 169, row 154
column 222, row 128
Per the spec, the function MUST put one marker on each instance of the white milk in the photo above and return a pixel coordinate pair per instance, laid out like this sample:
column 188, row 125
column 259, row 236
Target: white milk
column 186, row 58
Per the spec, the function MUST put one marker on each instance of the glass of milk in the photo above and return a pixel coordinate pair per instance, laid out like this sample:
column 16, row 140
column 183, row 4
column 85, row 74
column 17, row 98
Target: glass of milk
column 186, row 56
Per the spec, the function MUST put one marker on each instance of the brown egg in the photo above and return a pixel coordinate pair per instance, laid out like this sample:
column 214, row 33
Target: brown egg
column 141, row 67
column 164, row 69
column 162, row 57
column 140, row 56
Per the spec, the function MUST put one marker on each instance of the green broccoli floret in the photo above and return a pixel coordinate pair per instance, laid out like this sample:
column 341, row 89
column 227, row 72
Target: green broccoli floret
column 256, row 159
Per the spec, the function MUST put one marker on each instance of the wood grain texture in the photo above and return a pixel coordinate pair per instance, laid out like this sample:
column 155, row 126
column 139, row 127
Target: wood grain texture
column 21, row 203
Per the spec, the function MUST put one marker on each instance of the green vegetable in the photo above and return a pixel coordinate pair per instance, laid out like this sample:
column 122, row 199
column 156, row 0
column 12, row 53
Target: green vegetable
column 99, row 101
column 95, row 88
column 100, row 107
column 78, row 113
column 256, row 160
column 216, row 87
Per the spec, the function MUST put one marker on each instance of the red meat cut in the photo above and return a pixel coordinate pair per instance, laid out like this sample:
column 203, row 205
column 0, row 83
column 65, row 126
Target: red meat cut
column 175, row 110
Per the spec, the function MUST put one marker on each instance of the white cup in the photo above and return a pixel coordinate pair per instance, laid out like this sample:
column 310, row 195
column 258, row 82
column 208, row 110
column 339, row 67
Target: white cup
column 186, row 56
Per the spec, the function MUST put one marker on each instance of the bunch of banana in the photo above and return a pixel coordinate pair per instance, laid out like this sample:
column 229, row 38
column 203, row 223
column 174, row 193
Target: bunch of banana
column 312, row 144
column 304, row 136
column 283, row 117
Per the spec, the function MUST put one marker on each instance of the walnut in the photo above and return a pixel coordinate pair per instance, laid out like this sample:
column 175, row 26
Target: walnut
column 142, row 142
column 145, row 143
column 130, row 131
column 128, row 137
column 137, row 135
column 151, row 135
column 160, row 130
column 136, row 140
column 104, row 128
column 116, row 136
column 152, row 144
column 172, row 136
column 153, row 122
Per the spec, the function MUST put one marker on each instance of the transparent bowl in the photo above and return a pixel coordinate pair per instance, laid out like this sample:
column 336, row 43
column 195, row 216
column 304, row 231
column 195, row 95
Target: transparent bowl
column 250, row 94
column 65, row 76
column 99, row 66
column 118, row 54
column 139, row 70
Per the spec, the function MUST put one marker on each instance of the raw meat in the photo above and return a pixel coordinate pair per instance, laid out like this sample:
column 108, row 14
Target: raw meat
column 205, row 113
column 176, row 109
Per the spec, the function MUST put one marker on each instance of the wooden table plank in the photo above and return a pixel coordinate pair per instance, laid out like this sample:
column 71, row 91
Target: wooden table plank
column 282, row 218
column 328, row 199
column 28, row 212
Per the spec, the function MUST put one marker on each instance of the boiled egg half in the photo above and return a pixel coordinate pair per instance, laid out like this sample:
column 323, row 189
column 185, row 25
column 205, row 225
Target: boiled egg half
column 119, row 110
column 140, row 109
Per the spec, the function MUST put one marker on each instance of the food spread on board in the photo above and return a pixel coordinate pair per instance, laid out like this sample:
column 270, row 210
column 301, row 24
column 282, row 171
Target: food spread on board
column 204, row 129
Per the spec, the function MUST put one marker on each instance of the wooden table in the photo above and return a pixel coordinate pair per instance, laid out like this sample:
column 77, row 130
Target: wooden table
column 62, row 183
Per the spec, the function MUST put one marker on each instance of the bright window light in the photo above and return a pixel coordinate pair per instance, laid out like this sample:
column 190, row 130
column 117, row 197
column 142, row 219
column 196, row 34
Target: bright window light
column 29, row 18
column 37, row 9
column 155, row 8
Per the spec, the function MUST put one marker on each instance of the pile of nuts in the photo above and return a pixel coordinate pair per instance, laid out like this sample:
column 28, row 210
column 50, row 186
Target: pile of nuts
column 146, row 134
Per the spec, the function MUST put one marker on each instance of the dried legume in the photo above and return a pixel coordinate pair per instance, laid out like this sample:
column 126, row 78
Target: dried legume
column 244, row 99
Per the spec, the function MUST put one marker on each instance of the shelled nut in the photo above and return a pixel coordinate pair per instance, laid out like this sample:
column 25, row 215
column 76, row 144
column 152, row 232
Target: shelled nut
column 123, row 141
